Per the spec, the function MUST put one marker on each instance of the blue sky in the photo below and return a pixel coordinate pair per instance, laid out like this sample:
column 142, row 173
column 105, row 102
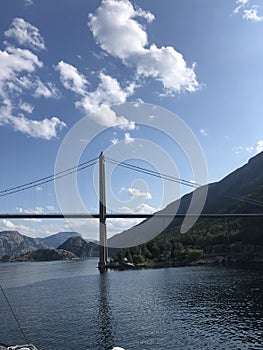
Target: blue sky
column 62, row 60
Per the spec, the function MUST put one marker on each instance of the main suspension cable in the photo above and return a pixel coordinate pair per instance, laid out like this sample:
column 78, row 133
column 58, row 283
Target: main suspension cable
column 49, row 179
column 36, row 182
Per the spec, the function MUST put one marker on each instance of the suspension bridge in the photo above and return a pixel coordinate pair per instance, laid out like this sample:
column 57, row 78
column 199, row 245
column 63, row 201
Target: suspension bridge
column 102, row 215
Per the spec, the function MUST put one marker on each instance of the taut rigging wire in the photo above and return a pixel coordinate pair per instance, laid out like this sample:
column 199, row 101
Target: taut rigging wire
column 178, row 180
column 14, row 315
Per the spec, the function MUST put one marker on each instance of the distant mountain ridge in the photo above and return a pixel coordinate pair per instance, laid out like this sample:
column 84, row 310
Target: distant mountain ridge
column 57, row 239
column 13, row 243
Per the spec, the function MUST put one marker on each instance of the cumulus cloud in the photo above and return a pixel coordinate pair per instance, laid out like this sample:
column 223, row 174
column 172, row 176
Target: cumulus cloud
column 8, row 224
column 25, row 34
column 240, row 3
column 118, row 225
column 114, row 25
column 107, row 93
column 27, row 107
column 18, row 74
column 143, row 208
column 47, row 90
column 128, row 139
column 136, row 193
column 97, row 103
column 44, row 129
column 71, row 78
column 14, row 61
column 248, row 13
column 252, row 15
column 259, row 147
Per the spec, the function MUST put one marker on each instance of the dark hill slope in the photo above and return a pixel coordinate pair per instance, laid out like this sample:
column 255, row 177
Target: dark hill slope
column 80, row 247
column 58, row 238
column 246, row 182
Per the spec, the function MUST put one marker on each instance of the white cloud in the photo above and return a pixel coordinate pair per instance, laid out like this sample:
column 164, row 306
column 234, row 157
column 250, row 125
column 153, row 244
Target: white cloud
column 96, row 104
column 29, row 2
column 27, row 107
column 14, row 61
column 128, row 139
column 118, row 225
column 203, row 132
column 136, row 193
column 18, row 74
column 107, row 93
column 51, row 208
column 248, row 13
column 47, row 90
column 71, row 78
column 249, row 149
column 241, row 149
column 143, row 208
column 8, row 224
column 113, row 26
column 25, row 34
column 252, row 15
column 107, row 117
column 36, row 210
column 114, row 141
column 44, row 129
column 168, row 66
column 259, row 147
column 145, row 14
column 240, row 3
column 115, row 29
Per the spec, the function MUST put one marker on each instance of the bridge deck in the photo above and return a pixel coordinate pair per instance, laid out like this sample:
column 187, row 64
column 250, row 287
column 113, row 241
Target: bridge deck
column 124, row 216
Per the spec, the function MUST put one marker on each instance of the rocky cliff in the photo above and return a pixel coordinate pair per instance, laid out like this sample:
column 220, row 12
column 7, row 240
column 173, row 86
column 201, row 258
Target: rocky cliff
column 80, row 247
column 13, row 243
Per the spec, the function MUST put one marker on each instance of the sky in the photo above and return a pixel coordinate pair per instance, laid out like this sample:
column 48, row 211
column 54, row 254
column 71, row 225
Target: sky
column 117, row 66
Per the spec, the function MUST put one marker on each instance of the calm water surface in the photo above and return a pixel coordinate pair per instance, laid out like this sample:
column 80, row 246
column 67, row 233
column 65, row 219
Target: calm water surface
column 69, row 305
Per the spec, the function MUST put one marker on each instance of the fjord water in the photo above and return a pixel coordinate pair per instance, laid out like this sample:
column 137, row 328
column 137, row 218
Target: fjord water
column 69, row 305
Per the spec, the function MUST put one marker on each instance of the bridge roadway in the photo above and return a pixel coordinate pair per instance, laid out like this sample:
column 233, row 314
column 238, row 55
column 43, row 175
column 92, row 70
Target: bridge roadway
column 124, row 216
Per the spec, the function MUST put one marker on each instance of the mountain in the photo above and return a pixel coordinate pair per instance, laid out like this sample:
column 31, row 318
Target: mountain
column 48, row 254
column 239, row 192
column 57, row 239
column 13, row 243
column 80, row 247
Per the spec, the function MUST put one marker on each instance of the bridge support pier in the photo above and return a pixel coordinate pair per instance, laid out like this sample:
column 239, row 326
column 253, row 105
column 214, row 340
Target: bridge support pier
column 103, row 262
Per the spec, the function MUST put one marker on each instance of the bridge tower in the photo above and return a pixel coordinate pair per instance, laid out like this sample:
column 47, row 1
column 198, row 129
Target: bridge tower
column 102, row 206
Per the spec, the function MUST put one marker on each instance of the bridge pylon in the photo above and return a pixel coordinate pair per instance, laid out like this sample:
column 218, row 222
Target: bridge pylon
column 103, row 262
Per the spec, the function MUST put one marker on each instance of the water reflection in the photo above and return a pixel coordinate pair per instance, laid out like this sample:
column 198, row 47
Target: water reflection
column 104, row 319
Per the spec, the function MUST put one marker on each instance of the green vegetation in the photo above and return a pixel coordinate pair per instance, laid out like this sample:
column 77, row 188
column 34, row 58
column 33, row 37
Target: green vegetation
column 185, row 248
